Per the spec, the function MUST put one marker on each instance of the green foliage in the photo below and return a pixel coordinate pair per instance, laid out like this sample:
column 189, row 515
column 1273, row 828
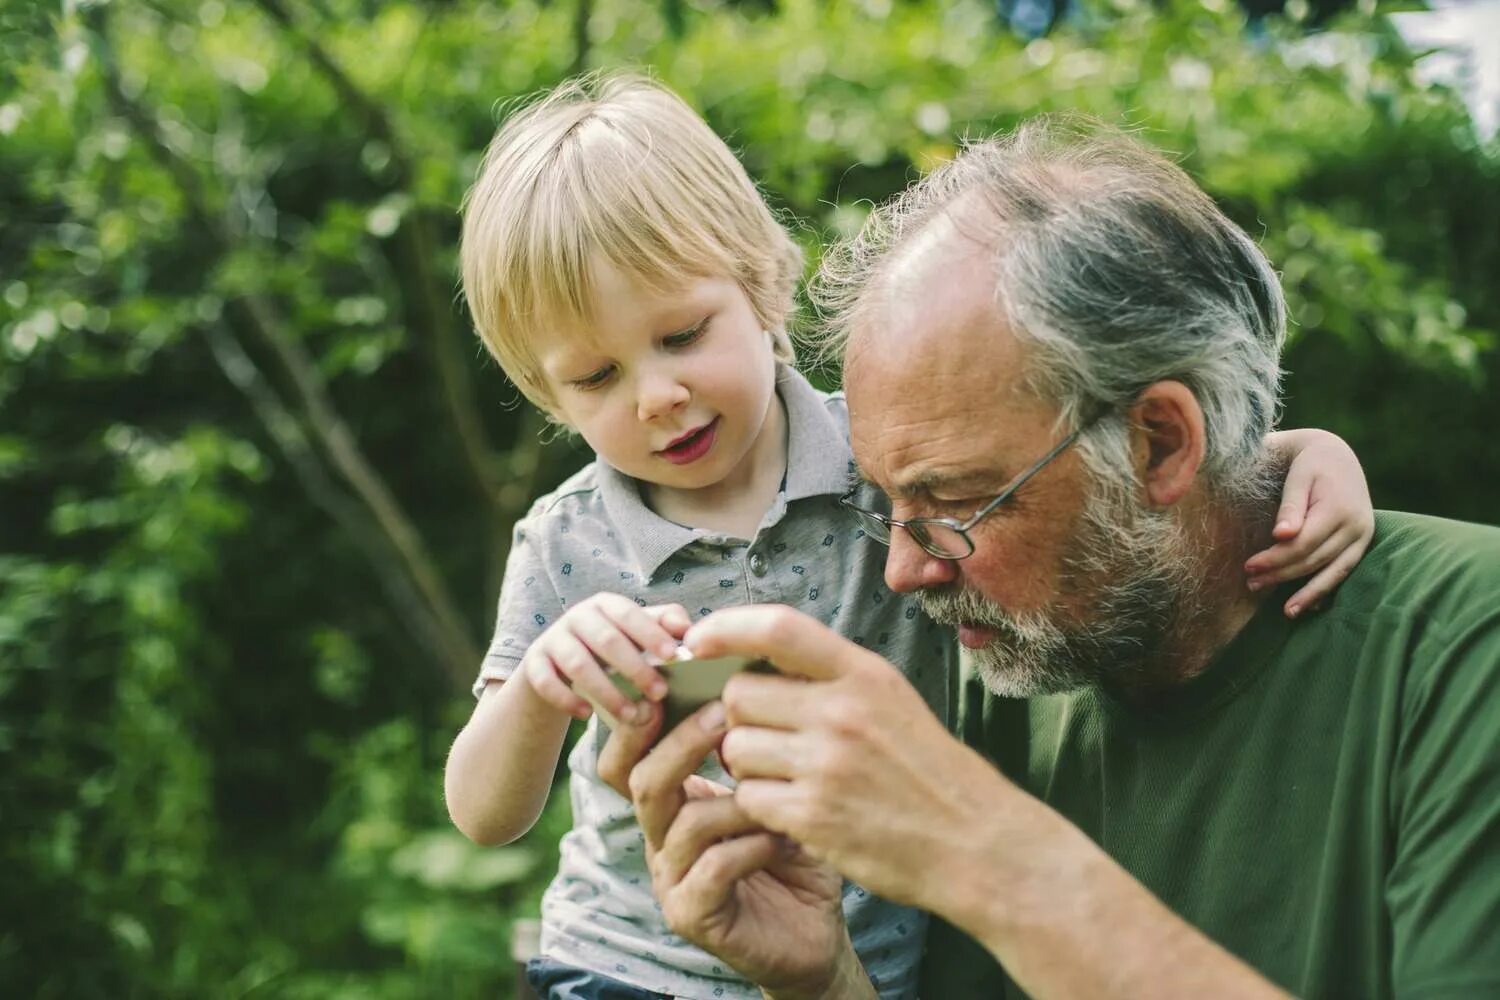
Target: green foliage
column 258, row 481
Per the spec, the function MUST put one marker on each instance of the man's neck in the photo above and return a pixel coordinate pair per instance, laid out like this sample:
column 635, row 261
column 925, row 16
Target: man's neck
column 1221, row 604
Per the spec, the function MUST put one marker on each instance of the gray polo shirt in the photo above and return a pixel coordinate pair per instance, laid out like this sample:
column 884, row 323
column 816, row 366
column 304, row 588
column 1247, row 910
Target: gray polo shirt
column 594, row 534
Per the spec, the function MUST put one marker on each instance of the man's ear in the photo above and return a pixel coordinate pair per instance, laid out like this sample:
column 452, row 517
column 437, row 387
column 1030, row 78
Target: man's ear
column 1168, row 441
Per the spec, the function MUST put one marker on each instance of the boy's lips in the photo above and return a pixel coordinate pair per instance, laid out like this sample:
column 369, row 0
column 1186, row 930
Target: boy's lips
column 691, row 446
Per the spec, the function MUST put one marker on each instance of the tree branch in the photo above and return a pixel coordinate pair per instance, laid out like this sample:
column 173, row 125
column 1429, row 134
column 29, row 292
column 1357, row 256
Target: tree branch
column 258, row 315
column 428, row 302
column 286, row 432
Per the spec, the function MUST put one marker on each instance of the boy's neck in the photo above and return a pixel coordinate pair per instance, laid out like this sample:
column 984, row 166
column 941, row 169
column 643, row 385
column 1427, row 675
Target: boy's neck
column 737, row 504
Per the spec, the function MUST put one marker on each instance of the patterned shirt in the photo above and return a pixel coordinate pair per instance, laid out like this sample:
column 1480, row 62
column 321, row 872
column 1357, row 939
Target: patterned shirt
column 594, row 533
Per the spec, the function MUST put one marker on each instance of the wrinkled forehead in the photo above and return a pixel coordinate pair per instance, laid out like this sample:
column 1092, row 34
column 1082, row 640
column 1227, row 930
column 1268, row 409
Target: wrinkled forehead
column 934, row 375
column 925, row 316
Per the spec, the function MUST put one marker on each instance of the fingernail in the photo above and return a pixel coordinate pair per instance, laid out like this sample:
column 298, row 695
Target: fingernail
column 1294, row 611
column 712, row 718
column 1281, row 525
column 1254, row 584
column 667, row 651
column 633, row 713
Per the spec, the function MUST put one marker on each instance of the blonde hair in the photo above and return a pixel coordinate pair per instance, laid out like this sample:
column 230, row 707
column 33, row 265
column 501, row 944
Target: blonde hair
column 616, row 168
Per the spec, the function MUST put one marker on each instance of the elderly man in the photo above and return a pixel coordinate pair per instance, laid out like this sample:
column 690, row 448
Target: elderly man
column 1061, row 360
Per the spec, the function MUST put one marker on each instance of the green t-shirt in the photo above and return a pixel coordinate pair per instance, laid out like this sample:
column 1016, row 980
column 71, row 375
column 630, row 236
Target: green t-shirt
column 1323, row 801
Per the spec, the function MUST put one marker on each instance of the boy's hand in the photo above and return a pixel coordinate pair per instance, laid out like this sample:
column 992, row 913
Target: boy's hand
column 606, row 631
column 1325, row 522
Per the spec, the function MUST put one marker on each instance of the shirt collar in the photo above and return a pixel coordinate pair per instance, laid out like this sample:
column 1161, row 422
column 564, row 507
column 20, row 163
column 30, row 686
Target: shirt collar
column 818, row 462
column 818, row 459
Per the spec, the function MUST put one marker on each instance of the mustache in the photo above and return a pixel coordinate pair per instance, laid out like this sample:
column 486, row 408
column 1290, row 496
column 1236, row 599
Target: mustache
column 961, row 607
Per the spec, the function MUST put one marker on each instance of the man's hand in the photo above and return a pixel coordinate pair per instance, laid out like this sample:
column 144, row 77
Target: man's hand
column 848, row 761
column 844, row 757
column 724, row 882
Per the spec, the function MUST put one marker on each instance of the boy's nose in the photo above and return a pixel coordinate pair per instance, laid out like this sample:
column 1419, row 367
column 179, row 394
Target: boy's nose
column 659, row 395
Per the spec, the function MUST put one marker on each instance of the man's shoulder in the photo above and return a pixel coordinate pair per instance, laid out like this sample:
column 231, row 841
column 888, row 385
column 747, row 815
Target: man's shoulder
column 1442, row 569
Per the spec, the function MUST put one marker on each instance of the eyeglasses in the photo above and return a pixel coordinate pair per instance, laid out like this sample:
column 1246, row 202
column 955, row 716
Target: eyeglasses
column 946, row 537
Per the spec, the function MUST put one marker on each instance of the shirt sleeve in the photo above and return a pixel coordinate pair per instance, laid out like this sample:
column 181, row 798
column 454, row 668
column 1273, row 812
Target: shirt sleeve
column 1443, row 890
column 529, row 602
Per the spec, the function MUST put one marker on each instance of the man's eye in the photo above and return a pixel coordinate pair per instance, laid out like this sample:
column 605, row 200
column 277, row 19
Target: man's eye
column 594, row 379
column 686, row 337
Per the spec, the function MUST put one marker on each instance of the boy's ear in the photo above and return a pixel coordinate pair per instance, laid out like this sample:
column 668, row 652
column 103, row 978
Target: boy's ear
column 1168, row 441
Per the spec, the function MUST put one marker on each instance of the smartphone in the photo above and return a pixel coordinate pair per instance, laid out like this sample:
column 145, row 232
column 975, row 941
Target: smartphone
column 691, row 684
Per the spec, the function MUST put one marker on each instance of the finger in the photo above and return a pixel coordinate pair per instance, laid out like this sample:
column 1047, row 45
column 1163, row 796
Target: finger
column 625, row 639
column 705, row 889
column 576, row 663
column 795, row 643
column 654, row 627
column 1354, row 518
column 1325, row 582
column 626, row 745
column 698, row 787
column 1283, row 553
column 1303, row 551
column 755, row 752
column 1311, row 533
column 672, row 617
column 1297, row 568
column 700, row 824
column 656, row 782
column 775, row 805
column 1296, row 494
column 544, row 679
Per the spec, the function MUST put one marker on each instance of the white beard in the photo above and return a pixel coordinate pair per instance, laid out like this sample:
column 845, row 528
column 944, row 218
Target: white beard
column 1148, row 584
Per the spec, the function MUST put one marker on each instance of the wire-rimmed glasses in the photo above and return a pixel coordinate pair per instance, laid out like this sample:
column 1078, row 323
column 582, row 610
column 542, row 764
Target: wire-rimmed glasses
column 946, row 537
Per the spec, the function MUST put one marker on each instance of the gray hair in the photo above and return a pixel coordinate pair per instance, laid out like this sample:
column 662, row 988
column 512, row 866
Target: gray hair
column 1115, row 269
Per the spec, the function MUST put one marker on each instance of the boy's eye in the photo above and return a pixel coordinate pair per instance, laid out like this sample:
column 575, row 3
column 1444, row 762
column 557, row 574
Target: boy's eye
column 686, row 337
column 594, row 379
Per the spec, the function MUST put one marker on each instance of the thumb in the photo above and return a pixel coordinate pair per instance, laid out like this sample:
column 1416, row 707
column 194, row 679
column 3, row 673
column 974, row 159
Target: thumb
column 626, row 745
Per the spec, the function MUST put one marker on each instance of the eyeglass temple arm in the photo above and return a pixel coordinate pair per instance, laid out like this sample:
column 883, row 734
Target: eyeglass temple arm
column 1020, row 480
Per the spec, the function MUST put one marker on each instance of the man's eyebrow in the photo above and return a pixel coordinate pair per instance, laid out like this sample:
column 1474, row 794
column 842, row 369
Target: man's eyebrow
column 928, row 483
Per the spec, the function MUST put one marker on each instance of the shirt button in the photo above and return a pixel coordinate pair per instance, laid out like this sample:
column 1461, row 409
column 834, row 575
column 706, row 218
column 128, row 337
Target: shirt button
column 759, row 564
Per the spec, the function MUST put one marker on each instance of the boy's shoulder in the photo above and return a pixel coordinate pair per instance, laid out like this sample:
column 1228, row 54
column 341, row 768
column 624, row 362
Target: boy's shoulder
column 576, row 500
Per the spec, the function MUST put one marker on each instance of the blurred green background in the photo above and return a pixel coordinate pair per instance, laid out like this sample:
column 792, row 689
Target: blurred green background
column 257, row 479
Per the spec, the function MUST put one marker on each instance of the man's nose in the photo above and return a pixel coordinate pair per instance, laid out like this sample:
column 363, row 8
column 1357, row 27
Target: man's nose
column 909, row 567
column 658, row 393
